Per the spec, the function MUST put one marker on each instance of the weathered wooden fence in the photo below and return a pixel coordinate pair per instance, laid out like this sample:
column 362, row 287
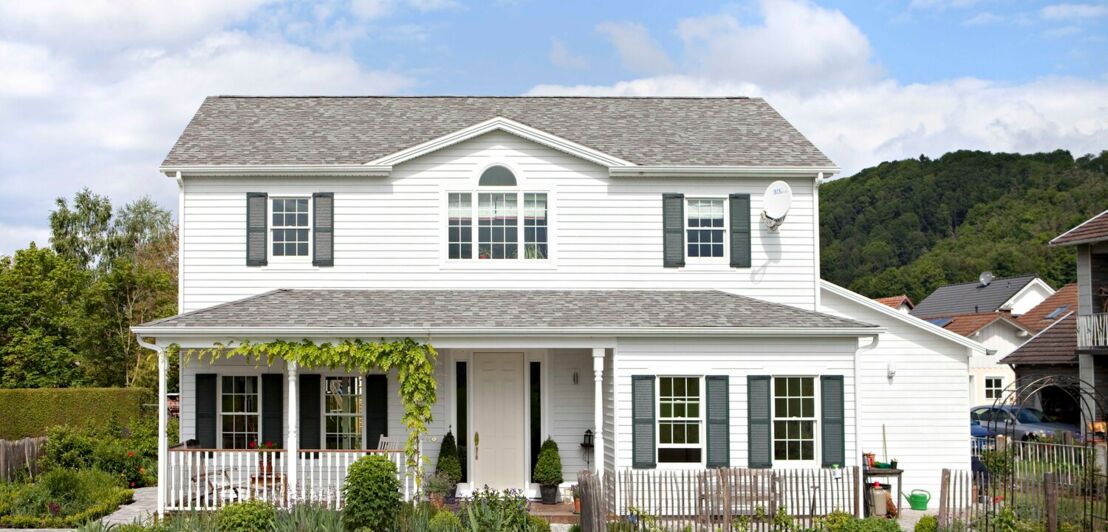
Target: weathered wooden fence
column 717, row 499
column 20, row 457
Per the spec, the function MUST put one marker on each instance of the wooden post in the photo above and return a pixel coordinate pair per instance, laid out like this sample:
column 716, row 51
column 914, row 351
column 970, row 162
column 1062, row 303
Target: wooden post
column 1050, row 493
column 944, row 498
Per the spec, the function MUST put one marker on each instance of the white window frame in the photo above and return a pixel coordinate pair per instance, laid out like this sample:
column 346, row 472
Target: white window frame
column 702, row 420
column 999, row 390
column 257, row 413
column 521, row 243
column 726, row 258
column 323, row 414
column 817, row 435
column 285, row 259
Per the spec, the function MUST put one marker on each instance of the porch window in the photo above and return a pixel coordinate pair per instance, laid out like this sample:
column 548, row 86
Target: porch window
column 705, row 228
column 343, row 413
column 680, row 420
column 994, row 387
column 239, row 411
column 794, row 418
column 511, row 224
column 289, row 226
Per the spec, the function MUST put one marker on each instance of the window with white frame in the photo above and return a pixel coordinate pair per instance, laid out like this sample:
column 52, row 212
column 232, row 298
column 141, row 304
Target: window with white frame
column 705, row 230
column 289, row 227
column 680, row 420
column 994, row 387
column 794, row 418
column 501, row 212
column 239, row 411
column 343, row 413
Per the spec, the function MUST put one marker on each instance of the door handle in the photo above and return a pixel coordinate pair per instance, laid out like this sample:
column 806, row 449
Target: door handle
column 476, row 446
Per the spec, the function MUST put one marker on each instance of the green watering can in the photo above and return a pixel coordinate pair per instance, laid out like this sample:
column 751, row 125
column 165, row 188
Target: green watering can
column 918, row 499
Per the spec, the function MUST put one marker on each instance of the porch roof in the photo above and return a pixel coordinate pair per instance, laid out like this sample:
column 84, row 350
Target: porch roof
column 408, row 312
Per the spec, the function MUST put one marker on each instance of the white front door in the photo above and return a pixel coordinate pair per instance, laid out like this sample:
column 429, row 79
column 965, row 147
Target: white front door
column 498, row 421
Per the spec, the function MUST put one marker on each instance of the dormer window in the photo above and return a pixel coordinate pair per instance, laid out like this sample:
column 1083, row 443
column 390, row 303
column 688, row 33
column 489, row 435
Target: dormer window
column 497, row 206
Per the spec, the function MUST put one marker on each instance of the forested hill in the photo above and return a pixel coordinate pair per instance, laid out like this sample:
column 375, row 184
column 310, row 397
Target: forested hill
column 911, row 226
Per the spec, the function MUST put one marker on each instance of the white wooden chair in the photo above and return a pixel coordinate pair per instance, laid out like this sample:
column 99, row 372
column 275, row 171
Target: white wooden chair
column 386, row 443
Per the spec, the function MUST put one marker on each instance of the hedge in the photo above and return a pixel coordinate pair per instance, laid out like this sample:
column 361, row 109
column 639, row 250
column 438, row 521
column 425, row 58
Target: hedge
column 28, row 412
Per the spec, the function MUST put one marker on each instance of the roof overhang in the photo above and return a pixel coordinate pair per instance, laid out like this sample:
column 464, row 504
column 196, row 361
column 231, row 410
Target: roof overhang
column 1055, row 241
column 430, row 332
column 271, row 170
column 723, row 171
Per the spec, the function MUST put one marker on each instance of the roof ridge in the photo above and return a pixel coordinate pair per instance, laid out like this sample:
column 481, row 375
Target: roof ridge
column 1020, row 276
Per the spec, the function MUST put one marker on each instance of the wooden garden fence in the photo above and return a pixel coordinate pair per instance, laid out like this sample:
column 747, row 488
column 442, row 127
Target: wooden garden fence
column 716, row 499
column 20, row 457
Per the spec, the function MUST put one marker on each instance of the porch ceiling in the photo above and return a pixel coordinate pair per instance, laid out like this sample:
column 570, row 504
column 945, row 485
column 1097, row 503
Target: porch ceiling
column 508, row 311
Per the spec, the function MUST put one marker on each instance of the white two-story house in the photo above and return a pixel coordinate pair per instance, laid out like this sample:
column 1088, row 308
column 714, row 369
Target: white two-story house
column 597, row 265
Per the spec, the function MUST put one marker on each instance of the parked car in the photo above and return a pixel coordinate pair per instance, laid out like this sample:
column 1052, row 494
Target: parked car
column 1021, row 423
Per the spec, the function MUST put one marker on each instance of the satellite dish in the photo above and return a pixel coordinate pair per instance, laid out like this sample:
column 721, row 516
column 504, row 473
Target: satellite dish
column 985, row 278
column 775, row 204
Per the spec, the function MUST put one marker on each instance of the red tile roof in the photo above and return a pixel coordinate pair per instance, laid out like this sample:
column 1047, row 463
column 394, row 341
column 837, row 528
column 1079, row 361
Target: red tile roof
column 1094, row 229
column 896, row 301
column 1054, row 345
column 1065, row 299
column 967, row 324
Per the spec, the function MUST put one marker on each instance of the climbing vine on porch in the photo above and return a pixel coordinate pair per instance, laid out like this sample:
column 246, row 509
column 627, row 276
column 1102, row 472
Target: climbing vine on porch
column 414, row 363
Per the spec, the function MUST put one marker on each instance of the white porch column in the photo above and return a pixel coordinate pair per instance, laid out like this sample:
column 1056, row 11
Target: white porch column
column 292, row 434
column 163, row 425
column 598, row 410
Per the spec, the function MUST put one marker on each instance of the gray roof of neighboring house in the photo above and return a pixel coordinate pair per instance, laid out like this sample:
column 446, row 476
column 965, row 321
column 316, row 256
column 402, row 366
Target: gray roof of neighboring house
column 968, row 298
column 1056, row 344
column 501, row 309
column 236, row 130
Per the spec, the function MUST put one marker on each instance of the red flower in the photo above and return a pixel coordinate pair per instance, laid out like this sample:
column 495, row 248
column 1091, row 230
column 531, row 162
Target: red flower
column 132, row 483
column 130, row 454
column 252, row 445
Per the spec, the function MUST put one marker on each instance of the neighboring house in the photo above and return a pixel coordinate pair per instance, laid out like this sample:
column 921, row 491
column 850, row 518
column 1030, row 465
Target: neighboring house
column 987, row 313
column 901, row 303
column 1051, row 352
column 1091, row 240
column 579, row 264
column 1052, row 309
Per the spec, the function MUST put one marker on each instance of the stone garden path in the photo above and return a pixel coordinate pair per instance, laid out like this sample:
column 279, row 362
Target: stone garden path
column 146, row 503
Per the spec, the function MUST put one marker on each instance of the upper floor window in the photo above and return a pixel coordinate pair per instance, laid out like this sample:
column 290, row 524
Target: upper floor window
column 497, row 212
column 704, row 227
column 290, row 227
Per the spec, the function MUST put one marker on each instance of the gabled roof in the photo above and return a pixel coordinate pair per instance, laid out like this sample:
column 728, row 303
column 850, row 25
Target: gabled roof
column 1094, row 229
column 1054, row 345
column 967, row 324
column 1051, row 309
column 414, row 312
column 237, row 131
column 971, row 298
column 896, row 301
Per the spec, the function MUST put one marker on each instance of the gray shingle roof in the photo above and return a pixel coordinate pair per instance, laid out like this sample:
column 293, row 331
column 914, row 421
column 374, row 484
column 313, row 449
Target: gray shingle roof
column 968, row 298
column 233, row 130
column 1056, row 344
column 501, row 309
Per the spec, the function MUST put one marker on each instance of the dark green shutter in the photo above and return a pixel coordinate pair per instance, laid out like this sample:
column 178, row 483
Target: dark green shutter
column 757, row 414
column 257, row 216
column 273, row 409
column 323, row 229
column 833, row 420
column 376, row 409
column 206, row 402
column 309, row 411
column 673, row 230
column 719, row 420
column 642, row 422
column 740, row 230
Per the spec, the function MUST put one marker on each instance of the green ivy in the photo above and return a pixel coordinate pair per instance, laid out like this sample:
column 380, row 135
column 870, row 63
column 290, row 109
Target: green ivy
column 414, row 363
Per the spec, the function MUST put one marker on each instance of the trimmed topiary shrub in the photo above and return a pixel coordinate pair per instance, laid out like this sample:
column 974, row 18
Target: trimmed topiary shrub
column 445, row 521
column 372, row 494
column 449, row 463
column 29, row 412
column 548, row 468
column 246, row 516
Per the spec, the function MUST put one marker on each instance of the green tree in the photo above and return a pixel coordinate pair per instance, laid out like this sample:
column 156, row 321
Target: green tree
column 81, row 233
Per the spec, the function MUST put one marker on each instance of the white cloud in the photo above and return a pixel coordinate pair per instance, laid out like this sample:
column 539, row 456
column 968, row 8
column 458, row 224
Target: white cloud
column 13, row 237
column 1075, row 12
column 983, row 18
column 943, row 4
column 637, row 49
column 560, row 55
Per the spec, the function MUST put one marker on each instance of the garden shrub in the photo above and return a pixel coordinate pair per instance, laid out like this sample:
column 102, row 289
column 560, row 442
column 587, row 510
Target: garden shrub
column 927, row 523
column 449, row 463
column 246, row 516
column 30, row 412
column 61, row 498
column 372, row 494
column 537, row 524
column 129, row 453
column 308, row 518
column 445, row 521
column 489, row 509
column 548, row 468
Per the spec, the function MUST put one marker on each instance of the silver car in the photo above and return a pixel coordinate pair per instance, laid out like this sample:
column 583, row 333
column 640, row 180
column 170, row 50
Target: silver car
column 1024, row 424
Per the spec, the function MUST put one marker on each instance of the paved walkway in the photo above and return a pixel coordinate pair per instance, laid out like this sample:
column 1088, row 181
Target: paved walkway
column 146, row 503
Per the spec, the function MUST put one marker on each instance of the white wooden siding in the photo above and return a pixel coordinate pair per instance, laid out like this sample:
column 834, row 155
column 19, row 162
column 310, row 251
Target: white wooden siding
column 390, row 232
column 736, row 358
column 570, row 406
column 923, row 408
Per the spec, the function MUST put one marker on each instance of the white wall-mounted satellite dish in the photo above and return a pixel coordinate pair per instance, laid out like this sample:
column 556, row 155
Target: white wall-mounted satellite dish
column 775, row 204
column 985, row 278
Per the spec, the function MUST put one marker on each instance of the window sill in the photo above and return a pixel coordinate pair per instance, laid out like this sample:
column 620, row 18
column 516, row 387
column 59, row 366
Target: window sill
column 707, row 264
column 493, row 264
column 281, row 266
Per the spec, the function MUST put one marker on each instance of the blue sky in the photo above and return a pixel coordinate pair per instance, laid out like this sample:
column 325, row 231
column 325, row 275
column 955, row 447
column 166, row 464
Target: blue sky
column 95, row 92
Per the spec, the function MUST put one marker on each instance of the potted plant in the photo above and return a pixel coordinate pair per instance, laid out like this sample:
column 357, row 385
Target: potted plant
column 449, row 463
column 548, row 471
column 265, row 460
column 576, row 490
column 436, row 487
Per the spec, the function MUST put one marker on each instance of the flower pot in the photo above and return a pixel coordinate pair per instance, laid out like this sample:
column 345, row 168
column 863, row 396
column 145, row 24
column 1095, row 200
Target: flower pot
column 437, row 500
column 549, row 494
column 576, row 505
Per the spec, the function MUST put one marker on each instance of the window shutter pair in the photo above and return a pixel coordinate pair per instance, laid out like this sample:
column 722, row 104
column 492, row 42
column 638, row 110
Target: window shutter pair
column 832, row 421
column 644, row 421
column 673, row 230
column 257, row 229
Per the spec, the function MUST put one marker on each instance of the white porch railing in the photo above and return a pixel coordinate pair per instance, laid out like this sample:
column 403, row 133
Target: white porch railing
column 1092, row 330
column 207, row 479
column 321, row 474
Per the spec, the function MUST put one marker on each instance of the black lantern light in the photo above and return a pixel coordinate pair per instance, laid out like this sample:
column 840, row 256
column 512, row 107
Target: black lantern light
column 586, row 447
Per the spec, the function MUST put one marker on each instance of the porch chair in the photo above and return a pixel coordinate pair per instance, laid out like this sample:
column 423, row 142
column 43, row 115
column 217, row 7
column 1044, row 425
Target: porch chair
column 386, row 443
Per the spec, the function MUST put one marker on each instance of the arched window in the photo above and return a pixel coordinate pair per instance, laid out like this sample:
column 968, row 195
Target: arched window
column 497, row 176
